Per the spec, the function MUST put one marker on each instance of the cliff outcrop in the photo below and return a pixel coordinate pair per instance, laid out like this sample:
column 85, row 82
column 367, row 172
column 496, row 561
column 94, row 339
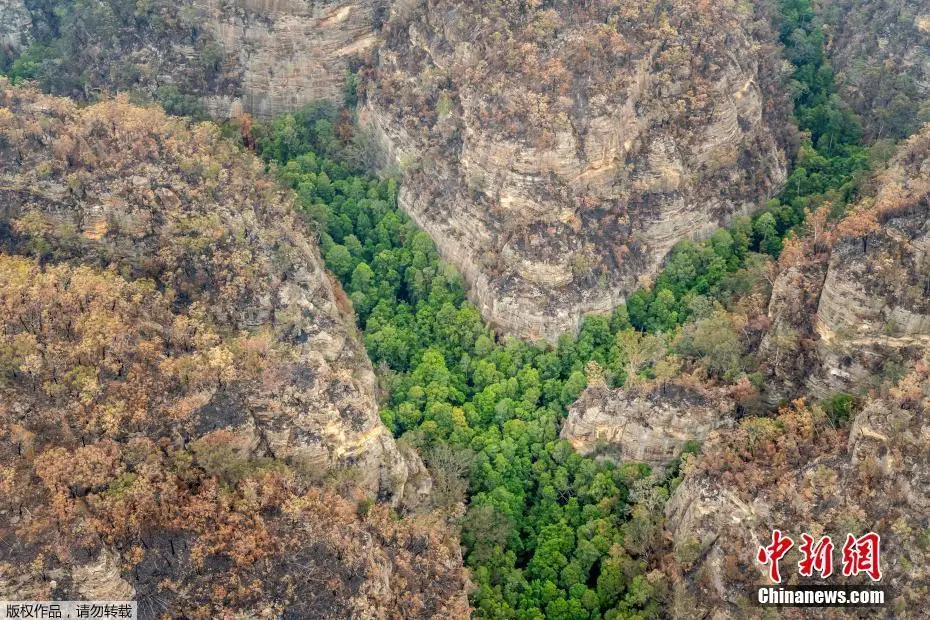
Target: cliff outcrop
column 288, row 53
column 555, row 154
column 224, row 57
column 649, row 424
column 128, row 189
column 789, row 349
column 14, row 30
column 849, row 314
column 179, row 378
column 799, row 474
column 880, row 50
column 855, row 307
column 874, row 313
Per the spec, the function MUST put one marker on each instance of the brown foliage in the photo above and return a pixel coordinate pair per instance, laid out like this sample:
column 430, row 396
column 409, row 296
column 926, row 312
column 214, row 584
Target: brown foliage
column 162, row 321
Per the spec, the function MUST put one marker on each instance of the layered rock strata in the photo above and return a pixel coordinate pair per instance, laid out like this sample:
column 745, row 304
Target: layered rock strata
column 556, row 154
column 857, row 306
column 288, row 53
column 648, row 424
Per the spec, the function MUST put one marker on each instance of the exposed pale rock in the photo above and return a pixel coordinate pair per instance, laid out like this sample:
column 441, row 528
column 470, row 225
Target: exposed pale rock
column 699, row 514
column 102, row 580
column 417, row 483
column 15, row 25
column 789, row 348
column 288, row 53
column 261, row 57
column 840, row 320
column 875, row 302
column 554, row 192
column 648, row 424
column 879, row 284
column 840, row 314
column 98, row 579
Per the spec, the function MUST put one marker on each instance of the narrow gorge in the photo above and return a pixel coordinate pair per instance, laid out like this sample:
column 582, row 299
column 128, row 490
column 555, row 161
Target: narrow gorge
column 445, row 309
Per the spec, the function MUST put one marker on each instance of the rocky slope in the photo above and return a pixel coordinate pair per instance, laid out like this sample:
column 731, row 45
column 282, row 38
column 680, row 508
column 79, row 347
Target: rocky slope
column 880, row 50
column 232, row 56
column 115, row 186
column 14, row 30
column 650, row 424
column 877, row 288
column 789, row 348
column 178, row 373
column 288, row 53
column 802, row 475
column 855, row 306
column 556, row 153
column 848, row 314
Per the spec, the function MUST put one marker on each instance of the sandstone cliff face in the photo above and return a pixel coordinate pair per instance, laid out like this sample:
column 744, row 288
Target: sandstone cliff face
column 789, row 348
column 557, row 154
column 98, row 580
column 849, row 313
column 874, row 307
column 880, row 50
column 97, row 187
column 875, row 303
column 647, row 424
column 859, row 308
column 288, row 53
column 262, row 57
